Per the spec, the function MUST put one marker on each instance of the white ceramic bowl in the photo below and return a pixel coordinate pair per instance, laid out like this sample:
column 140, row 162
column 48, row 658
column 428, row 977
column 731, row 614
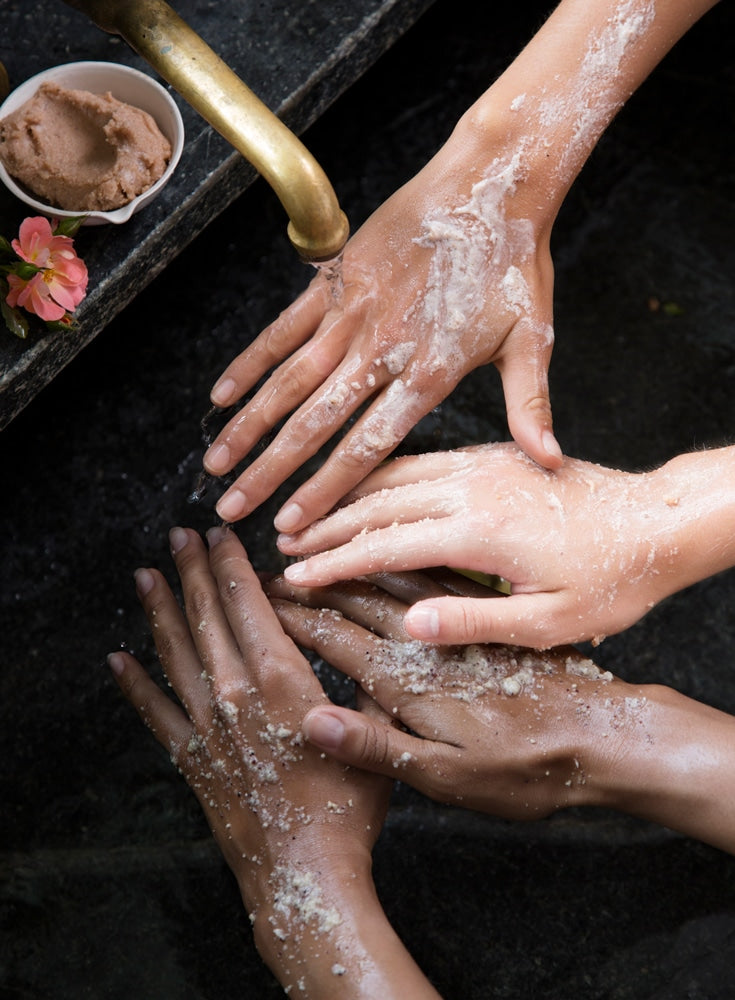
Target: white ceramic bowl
column 124, row 83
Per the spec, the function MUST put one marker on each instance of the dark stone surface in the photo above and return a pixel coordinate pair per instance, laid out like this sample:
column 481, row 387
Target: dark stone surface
column 296, row 58
column 110, row 886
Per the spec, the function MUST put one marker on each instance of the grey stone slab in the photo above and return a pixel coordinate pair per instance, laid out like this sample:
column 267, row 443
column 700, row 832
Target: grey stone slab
column 296, row 57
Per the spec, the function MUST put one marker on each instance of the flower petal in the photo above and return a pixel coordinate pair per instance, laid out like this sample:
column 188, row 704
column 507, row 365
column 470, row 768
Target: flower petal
column 34, row 240
column 35, row 297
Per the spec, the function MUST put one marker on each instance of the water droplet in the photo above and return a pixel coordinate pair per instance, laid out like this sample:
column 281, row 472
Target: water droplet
column 332, row 271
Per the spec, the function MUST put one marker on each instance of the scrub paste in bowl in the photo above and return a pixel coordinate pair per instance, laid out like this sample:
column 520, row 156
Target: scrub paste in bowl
column 81, row 151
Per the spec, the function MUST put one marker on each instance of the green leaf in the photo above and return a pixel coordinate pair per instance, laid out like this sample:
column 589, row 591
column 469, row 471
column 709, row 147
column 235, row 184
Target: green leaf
column 6, row 249
column 486, row 579
column 673, row 309
column 68, row 227
column 14, row 320
column 24, row 270
column 61, row 325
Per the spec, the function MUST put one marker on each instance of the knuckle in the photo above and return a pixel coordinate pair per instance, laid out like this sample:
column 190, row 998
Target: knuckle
column 469, row 621
column 375, row 437
column 130, row 686
column 295, row 443
column 199, row 604
column 539, row 404
column 323, row 354
column 439, row 780
column 294, row 384
column 353, row 459
column 169, row 645
column 277, row 339
column 373, row 747
column 140, row 697
column 156, row 605
column 225, row 698
column 543, row 634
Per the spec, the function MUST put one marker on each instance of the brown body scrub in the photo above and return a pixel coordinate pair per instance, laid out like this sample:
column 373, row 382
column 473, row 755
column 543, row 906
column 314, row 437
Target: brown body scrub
column 81, row 151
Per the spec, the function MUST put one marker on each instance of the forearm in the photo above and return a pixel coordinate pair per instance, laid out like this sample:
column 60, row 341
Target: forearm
column 697, row 505
column 673, row 763
column 552, row 104
column 324, row 934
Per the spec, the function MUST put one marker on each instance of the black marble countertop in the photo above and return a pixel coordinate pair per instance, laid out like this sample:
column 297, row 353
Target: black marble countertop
column 296, row 57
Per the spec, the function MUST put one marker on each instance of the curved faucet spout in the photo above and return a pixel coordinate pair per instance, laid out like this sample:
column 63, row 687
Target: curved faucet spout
column 318, row 228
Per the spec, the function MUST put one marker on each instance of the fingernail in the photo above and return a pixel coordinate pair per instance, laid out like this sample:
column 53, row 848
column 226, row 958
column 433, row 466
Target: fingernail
column 217, row 459
column 284, row 542
column 177, row 539
column 215, row 535
column 143, row 581
column 422, row 622
column 232, row 505
column 323, row 730
column 289, row 518
column 116, row 663
column 295, row 572
column 551, row 445
column 223, row 391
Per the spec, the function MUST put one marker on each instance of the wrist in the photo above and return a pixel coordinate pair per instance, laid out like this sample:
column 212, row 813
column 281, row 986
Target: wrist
column 321, row 930
column 557, row 97
column 695, row 501
column 666, row 758
column 494, row 137
column 307, row 905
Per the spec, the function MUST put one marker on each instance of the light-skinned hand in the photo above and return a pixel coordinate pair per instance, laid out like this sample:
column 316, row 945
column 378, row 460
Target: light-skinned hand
column 587, row 550
column 450, row 273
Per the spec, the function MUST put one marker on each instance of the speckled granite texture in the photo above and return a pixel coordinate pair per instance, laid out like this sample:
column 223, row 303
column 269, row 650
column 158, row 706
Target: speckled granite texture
column 110, row 887
column 296, row 57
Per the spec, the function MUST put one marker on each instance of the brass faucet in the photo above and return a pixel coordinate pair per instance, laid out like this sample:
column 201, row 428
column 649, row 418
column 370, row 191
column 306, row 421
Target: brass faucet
column 318, row 228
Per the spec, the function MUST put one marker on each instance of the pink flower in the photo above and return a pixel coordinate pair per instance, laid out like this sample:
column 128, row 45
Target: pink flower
column 60, row 284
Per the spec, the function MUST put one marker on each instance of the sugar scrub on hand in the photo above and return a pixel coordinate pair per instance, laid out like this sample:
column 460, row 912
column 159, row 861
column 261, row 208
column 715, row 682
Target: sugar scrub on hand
column 81, row 151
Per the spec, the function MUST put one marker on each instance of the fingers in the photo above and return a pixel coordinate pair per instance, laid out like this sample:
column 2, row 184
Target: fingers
column 539, row 621
column 315, row 370
column 408, row 587
column 241, row 648
column 343, row 643
column 361, row 602
column 401, row 505
column 398, row 547
column 524, row 366
column 356, row 739
column 166, row 721
column 215, row 643
column 373, row 437
column 311, row 426
column 248, row 611
column 464, row 583
column 174, row 643
column 350, row 648
column 292, row 328
column 411, row 470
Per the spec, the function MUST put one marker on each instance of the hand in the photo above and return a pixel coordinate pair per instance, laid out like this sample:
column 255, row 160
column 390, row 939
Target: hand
column 450, row 273
column 296, row 829
column 497, row 729
column 586, row 550
column 507, row 730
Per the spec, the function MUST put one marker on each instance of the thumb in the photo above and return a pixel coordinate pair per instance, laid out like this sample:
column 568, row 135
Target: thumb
column 356, row 739
column 534, row 620
column 526, row 388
